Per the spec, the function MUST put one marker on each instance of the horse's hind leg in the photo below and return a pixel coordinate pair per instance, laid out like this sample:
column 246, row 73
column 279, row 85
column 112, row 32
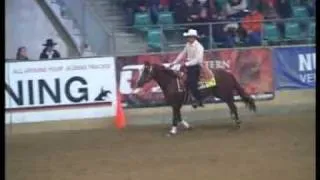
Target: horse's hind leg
column 234, row 112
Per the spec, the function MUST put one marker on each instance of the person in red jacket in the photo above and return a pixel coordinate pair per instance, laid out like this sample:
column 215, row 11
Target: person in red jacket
column 252, row 26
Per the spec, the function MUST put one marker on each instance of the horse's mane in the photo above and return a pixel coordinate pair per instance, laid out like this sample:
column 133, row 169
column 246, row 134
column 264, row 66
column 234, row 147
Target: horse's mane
column 168, row 71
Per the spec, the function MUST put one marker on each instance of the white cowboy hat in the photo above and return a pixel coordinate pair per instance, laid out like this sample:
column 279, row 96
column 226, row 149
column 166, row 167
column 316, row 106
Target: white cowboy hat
column 191, row 32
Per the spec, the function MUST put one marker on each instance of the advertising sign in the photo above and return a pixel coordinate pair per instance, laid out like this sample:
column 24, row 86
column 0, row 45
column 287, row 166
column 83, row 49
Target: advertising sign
column 60, row 89
column 252, row 68
column 295, row 67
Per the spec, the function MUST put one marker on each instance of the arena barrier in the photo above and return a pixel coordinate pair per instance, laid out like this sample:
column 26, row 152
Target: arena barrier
column 252, row 68
column 261, row 71
column 63, row 89
column 295, row 67
column 85, row 88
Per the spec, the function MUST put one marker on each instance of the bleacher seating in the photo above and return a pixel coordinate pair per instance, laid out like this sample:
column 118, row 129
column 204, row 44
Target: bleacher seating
column 291, row 30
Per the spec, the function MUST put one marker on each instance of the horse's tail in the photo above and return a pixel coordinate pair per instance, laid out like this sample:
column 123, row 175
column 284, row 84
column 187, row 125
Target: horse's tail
column 249, row 101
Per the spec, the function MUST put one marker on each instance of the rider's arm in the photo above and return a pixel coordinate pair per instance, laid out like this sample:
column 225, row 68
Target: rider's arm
column 180, row 56
column 198, row 59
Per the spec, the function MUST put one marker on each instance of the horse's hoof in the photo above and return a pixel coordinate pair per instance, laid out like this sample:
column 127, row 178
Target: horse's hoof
column 170, row 134
column 194, row 106
column 238, row 124
column 189, row 128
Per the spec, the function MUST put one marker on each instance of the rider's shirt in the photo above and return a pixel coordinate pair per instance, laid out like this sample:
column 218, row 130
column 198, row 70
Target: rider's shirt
column 194, row 54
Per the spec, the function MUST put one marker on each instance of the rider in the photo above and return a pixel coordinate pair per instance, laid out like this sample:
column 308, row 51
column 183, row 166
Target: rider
column 194, row 51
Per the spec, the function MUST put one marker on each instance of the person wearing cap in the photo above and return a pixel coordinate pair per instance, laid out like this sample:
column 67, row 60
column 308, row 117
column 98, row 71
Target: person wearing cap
column 49, row 52
column 194, row 52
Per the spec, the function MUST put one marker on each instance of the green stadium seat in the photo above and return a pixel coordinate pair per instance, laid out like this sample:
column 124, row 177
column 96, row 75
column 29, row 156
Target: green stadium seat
column 294, row 2
column 270, row 32
column 154, row 38
column 141, row 20
column 220, row 4
column 312, row 31
column 166, row 17
column 299, row 12
column 166, row 20
column 292, row 31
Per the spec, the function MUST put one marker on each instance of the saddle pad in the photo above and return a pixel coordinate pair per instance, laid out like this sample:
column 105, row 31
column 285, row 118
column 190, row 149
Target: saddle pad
column 207, row 84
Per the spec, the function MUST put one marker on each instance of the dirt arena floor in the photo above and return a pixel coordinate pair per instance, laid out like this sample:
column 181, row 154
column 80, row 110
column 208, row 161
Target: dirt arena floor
column 277, row 143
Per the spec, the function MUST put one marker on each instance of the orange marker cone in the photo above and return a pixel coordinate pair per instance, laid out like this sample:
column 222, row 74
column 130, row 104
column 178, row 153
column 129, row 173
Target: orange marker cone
column 120, row 119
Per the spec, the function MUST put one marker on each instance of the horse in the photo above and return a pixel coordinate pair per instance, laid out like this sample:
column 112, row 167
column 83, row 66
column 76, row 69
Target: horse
column 176, row 97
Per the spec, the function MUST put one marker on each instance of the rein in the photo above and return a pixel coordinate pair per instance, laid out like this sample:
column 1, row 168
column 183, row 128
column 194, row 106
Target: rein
column 161, row 71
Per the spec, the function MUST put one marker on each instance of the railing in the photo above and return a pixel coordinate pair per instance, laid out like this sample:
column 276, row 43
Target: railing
column 277, row 32
column 94, row 32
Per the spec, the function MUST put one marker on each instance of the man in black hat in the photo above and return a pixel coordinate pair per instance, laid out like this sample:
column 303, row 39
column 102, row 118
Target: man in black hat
column 48, row 52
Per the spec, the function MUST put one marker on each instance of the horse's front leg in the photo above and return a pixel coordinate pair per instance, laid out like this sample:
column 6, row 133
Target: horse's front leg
column 175, row 121
column 184, row 123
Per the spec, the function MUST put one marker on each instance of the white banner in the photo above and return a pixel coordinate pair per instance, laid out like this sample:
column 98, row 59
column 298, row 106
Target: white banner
column 60, row 89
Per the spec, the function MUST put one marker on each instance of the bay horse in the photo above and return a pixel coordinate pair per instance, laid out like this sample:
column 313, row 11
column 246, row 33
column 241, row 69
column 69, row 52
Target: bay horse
column 168, row 80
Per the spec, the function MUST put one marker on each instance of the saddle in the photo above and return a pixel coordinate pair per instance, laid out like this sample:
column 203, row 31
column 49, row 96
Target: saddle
column 206, row 78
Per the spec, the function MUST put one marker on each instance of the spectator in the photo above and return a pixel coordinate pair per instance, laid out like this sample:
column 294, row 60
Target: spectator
column 49, row 52
column 164, row 4
column 260, row 5
column 203, row 18
column 283, row 8
column 22, row 53
column 213, row 10
column 186, row 11
column 236, row 8
column 179, row 8
column 220, row 34
column 253, row 29
column 175, row 4
column 153, row 6
column 193, row 11
column 232, row 35
column 203, row 3
column 269, row 11
column 130, row 7
column 142, row 6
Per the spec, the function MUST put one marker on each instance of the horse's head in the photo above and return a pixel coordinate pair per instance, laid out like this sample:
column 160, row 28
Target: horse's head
column 146, row 75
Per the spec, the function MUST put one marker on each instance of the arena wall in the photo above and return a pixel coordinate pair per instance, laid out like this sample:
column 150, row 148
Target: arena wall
column 300, row 97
